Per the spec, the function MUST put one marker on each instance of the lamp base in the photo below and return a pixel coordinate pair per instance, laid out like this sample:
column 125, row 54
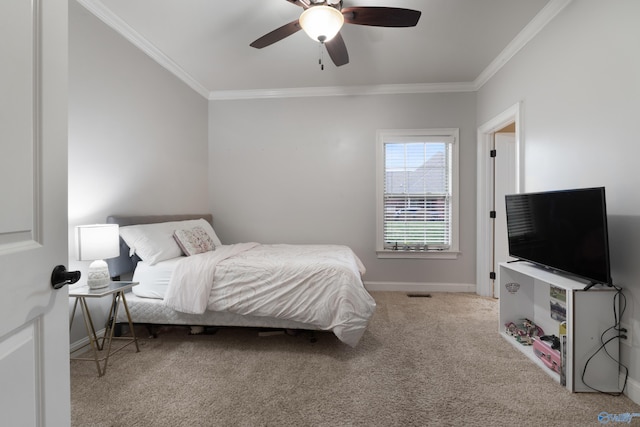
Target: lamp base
column 98, row 275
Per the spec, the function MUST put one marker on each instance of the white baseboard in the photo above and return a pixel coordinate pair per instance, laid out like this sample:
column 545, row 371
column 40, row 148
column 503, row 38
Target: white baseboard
column 632, row 391
column 419, row 287
column 80, row 344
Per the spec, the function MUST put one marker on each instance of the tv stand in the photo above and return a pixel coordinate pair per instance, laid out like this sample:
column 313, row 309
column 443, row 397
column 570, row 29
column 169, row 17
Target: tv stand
column 588, row 315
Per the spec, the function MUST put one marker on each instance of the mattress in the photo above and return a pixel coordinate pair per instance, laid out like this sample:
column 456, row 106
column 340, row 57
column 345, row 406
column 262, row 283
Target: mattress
column 152, row 310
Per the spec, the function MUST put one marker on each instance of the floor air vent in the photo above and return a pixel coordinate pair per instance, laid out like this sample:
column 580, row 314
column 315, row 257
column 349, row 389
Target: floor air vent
column 419, row 295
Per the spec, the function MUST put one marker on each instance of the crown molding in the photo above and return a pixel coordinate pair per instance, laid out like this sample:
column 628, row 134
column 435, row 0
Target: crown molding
column 105, row 15
column 528, row 32
column 547, row 13
column 341, row 91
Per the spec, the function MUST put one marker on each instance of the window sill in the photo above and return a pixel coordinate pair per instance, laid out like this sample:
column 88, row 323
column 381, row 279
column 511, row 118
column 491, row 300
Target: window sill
column 417, row 254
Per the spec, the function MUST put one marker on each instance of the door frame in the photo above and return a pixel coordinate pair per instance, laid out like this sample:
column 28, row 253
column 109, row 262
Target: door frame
column 484, row 198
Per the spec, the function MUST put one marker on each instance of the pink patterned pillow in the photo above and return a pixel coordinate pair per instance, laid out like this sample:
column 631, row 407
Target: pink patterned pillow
column 194, row 241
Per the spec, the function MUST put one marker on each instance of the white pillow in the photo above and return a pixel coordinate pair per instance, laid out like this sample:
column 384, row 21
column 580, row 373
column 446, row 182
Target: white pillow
column 155, row 242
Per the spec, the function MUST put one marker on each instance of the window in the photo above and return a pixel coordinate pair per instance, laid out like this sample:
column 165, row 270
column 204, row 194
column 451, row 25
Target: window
column 417, row 213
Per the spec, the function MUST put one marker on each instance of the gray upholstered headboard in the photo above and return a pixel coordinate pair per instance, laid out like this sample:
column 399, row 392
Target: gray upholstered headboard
column 124, row 264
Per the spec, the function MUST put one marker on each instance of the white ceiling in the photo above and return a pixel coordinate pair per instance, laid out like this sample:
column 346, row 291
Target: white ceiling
column 457, row 44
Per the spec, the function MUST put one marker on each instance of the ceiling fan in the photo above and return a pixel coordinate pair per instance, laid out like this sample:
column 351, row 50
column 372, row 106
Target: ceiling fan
column 323, row 19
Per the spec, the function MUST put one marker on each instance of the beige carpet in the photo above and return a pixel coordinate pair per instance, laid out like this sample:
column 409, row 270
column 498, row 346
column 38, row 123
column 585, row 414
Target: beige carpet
column 422, row 362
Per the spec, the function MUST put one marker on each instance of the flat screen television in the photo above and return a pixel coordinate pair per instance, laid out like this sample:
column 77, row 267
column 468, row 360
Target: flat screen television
column 564, row 231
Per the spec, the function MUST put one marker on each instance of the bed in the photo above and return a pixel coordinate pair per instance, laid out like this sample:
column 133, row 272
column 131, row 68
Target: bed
column 188, row 277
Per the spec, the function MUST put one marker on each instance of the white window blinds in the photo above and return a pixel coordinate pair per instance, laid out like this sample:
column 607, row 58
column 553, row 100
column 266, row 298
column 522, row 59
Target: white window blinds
column 417, row 199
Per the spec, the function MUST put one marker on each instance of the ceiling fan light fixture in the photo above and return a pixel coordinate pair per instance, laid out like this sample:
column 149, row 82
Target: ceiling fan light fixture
column 321, row 23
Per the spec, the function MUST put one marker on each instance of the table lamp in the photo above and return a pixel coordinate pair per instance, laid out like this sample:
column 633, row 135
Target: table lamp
column 96, row 243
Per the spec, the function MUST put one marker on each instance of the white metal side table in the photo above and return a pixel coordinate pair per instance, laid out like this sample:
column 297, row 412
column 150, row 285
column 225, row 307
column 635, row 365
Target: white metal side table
column 117, row 291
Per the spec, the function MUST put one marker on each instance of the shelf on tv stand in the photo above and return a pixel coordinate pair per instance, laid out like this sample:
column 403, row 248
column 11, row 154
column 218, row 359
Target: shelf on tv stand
column 588, row 315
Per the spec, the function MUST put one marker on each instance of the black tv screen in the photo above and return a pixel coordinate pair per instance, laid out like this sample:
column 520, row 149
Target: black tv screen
column 565, row 231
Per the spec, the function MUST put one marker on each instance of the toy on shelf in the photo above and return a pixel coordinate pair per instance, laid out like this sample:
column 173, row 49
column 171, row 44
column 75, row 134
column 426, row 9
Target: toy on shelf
column 547, row 348
column 524, row 332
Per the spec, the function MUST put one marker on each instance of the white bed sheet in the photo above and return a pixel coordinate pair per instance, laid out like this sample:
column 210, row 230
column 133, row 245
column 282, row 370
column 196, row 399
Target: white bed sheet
column 153, row 279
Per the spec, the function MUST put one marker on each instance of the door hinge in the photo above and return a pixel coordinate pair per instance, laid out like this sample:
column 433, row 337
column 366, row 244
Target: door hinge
column 493, row 153
column 492, row 214
column 492, row 275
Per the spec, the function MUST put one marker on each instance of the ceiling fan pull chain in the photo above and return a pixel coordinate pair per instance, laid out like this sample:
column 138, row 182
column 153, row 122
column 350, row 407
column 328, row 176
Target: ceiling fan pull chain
column 320, row 59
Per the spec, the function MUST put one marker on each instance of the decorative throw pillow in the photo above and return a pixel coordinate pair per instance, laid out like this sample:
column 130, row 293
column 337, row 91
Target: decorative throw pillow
column 194, row 241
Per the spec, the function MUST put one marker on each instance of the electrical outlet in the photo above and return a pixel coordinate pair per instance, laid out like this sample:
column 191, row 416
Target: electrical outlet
column 629, row 334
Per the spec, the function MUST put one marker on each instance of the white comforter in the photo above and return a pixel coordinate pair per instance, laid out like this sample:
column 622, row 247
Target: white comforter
column 315, row 284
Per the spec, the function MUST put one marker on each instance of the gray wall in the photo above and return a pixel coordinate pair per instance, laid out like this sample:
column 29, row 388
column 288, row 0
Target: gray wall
column 579, row 81
column 137, row 134
column 302, row 170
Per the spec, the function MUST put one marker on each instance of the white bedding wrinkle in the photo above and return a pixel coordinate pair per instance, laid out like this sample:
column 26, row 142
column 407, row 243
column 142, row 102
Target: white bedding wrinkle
column 318, row 285
column 192, row 279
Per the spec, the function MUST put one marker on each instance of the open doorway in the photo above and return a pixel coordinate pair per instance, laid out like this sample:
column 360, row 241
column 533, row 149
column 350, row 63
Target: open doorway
column 499, row 171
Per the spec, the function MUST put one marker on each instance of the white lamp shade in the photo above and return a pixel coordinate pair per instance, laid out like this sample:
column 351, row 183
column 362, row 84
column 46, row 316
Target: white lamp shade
column 321, row 23
column 96, row 243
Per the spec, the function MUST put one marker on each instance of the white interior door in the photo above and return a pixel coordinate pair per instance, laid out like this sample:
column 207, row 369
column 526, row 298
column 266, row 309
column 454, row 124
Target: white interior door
column 34, row 335
column 485, row 257
column 504, row 183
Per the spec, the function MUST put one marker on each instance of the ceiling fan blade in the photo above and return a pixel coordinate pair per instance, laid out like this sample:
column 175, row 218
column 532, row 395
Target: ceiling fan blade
column 277, row 35
column 381, row 16
column 337, row 50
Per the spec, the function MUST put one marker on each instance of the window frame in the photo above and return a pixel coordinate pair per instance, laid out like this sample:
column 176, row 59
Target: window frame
column 384, row 136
